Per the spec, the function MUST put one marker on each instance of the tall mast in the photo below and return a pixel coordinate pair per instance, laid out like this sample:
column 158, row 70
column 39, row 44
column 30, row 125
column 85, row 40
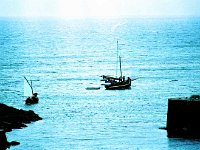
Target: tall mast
column 117, row 58
column 120, row 65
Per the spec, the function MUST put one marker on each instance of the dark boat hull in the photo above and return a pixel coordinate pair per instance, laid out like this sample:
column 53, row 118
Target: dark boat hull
column 119, row 85
column 30, row 101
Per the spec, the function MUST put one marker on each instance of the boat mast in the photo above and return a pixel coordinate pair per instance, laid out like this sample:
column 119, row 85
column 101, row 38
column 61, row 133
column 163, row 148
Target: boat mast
column 30, row 84
column 117, row 58
column 120, row 65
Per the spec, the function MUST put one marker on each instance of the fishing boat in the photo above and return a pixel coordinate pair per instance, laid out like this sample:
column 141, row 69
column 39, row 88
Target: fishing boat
column 28, row 90
column 117, row 83
column 112, row 83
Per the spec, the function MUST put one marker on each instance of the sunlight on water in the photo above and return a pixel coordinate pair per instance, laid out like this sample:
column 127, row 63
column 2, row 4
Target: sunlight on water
column 65, row 57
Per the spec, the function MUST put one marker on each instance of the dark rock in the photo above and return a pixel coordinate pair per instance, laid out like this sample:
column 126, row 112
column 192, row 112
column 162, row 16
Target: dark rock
column 12, row 118
column 3, row 140
column 183, row 117
column 14, row 143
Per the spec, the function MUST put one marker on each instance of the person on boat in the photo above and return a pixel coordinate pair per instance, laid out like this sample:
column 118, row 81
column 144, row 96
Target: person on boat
column 123, row 79
column 111, row 81
column 120, row 79
column 34, row 96
column 129, row 79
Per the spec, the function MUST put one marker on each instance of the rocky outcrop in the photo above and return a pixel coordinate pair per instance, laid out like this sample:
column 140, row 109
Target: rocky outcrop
column 12, row 118
column 4, row 144
column 183, row 117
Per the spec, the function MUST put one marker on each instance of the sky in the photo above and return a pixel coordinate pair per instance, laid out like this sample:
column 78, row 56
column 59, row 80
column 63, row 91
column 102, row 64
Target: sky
column 98, row 8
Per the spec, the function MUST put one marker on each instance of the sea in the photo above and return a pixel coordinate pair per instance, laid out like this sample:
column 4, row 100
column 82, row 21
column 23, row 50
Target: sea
column 63, row 57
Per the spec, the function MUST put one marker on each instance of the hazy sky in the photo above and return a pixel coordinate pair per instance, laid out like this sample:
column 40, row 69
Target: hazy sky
column 104, row 8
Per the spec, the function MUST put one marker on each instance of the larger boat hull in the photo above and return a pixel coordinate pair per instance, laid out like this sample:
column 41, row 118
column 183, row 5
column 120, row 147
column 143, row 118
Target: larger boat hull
column 119, row 85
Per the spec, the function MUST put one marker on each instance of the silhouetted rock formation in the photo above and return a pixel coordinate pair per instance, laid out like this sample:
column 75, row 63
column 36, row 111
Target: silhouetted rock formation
column 4, row 144
column 183, row 117
column 12, row 118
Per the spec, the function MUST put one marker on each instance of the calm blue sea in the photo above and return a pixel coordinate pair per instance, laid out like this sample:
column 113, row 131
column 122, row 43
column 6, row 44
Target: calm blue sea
column 63, row 57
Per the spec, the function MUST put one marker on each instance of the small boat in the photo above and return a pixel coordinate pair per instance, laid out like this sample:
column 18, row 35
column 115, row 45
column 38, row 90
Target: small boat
column 28, row 90
column 32, row 100
column 113, row 83
column 92, row 88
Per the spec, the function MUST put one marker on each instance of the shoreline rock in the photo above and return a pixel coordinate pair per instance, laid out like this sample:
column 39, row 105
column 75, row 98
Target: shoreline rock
column 183, row 117
column 12, row 118
column 4, row 144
